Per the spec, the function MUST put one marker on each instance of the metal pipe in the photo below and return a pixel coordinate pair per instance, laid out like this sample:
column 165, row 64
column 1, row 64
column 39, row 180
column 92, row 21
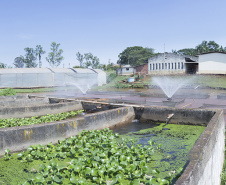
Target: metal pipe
column 169, row 117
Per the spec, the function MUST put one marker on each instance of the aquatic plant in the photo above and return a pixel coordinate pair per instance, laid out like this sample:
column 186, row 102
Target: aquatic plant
column 92, row 157
column 14, row 122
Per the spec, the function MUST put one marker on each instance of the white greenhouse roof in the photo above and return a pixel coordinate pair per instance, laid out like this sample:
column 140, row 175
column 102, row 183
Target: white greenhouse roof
column 23, row 70
column 83, row 70
column 47, row 70
column 61, row 70
column 98, row 71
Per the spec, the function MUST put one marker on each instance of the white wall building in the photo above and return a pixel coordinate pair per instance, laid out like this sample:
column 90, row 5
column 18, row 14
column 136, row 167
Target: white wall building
column 212, row 63
column 125, row 70
column 165, row 63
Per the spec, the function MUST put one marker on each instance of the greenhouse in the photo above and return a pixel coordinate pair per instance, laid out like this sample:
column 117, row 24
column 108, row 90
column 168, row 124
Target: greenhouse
column 49, row 77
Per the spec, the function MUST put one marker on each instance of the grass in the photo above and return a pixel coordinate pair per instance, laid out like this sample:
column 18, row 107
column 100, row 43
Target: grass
column 214, row 81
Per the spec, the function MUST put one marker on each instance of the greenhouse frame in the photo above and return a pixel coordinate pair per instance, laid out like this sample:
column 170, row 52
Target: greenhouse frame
column 50, row 77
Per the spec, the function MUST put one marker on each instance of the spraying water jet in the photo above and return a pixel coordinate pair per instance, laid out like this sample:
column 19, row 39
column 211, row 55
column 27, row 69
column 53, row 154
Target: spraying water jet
column 170, row 85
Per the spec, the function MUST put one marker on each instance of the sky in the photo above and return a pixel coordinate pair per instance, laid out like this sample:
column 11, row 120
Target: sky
column 107, row 27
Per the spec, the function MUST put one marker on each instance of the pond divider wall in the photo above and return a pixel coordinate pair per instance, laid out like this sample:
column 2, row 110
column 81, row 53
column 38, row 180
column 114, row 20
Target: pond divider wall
column 207, row 155
column 39, row 110
column 19, row 138
column 181, row 116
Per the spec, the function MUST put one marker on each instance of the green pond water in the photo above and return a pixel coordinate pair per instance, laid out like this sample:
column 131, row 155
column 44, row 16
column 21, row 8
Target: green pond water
column 172, row 144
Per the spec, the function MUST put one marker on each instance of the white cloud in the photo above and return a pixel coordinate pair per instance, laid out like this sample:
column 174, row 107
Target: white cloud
column 26, row 36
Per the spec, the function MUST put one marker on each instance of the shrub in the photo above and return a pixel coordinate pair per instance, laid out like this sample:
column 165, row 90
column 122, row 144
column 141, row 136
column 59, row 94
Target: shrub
column 111, row 77
column 7, row 92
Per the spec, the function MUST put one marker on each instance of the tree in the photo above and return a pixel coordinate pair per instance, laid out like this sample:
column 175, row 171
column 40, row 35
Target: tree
column 135, row 55
column 2, row 65
column 19, row 62
column 30, row 58
column 88, row 60
column 39, row 52
column 80, row 58
column 187, row 51
column 204, row 47
column 54, row 58
column 91, row 61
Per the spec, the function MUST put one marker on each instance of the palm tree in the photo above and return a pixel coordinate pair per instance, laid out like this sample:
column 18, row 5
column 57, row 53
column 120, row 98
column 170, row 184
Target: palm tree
column 39, row 51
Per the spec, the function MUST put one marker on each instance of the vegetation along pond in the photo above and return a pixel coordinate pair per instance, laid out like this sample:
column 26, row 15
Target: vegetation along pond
column 139, row 154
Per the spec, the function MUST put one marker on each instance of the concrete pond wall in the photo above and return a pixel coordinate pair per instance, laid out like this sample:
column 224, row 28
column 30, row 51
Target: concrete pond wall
column 28, row 106
column 19, row 138
column 206, row 156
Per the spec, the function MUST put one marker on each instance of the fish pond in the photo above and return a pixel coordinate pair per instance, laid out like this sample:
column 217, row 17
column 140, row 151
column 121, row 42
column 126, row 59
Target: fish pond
column 136, row 153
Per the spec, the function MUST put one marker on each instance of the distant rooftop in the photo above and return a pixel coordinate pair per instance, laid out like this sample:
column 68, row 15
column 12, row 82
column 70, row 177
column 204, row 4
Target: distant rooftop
column 211, row 52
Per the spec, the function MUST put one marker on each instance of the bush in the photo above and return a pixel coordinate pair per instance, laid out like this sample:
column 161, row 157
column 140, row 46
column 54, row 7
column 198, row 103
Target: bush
column 111, row 77
column 7, row 92
column 122, row 85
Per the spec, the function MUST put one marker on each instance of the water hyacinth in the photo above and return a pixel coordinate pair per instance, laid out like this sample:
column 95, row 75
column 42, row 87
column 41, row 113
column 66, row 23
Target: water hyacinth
column 92, row 157
column 14, row 122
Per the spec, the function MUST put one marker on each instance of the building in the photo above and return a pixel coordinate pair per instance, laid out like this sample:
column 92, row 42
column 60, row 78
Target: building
column 169, row 63
column 142, row 69
column 125, row 70
column 212, row 63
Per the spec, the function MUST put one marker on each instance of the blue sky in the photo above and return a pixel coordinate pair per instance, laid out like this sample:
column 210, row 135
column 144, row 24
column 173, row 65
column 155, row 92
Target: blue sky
column 106, row 27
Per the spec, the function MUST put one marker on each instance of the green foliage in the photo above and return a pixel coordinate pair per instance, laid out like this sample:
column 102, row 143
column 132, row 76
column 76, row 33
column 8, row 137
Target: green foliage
column 19, row 62
column 138, row 85
column 39, row 52
column 122, row 85
column 88, row 60
column 2, row 65
column 7, row 92
column 54, row 57
column 94, row 157
column 80, row 58
column 30, row 58
column 14, row 122
column 111, row 77
column 204, row 47
column 110, row 66
column 135, row 55
column 91, row 61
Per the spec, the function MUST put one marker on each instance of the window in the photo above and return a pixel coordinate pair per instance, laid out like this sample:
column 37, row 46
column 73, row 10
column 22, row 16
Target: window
column 127, row 69
column 172, row 65
column 153, row 66
column 182, row 65
column 150, row 67
column 175, row 65
column 165, row 65
column 162, row 66
column 168, row 65
column 159, row 66
column 156, row 66
column 178, row 65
